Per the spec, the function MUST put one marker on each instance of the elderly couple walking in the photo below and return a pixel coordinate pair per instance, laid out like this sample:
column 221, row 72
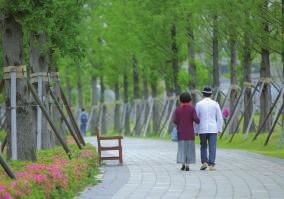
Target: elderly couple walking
column 208, row 121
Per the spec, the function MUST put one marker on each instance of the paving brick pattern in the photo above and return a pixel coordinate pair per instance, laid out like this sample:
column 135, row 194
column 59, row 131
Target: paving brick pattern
column 150, row 172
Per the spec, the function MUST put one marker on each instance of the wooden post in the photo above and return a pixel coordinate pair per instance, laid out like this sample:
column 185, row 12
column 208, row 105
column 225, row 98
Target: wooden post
column 71, row 117
column 13, row 102
column 149, row 117
column 7, row 168
column 165, row 107
column 167, row 116
column 268, row 115
column 64, row 118
column 226, row 98
column 4, row 144
column 52, row 125
column 170, row 117
column 39, row 114
column 274, row 124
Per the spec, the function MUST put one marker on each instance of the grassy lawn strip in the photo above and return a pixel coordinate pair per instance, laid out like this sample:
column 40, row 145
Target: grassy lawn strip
column 272, row 149
column 52, row 176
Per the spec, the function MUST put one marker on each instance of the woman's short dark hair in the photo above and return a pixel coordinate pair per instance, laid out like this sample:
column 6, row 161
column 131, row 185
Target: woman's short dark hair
column 185, row 97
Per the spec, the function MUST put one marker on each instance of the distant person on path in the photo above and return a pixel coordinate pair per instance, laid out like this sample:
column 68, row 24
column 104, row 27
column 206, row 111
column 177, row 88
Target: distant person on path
column 83, row 121
column 211, row 123
column 184, row 117
column 226, row 114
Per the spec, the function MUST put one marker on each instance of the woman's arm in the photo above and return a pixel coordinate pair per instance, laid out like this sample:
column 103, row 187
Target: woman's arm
column 195, row 117
column 176, row 118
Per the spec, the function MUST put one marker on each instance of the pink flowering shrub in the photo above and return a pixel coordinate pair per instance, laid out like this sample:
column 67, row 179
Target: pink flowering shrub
column 52, row 176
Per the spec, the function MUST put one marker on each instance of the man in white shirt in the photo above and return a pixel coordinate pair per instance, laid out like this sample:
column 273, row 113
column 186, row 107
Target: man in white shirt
column 211, row 122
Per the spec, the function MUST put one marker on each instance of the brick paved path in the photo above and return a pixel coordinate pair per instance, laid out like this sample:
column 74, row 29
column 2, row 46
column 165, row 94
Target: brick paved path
column 150, row 171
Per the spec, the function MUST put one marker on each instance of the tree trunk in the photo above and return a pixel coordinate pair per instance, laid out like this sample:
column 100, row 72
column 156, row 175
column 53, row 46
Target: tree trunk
column 247, row 61
column 127, row 111
column 136, row 89
column 215, row 44
column 136, row 95
column 104, row 108
column 145, row 86
column 191, row 61
column 175, row 60
column 94, row 117
column 40, row 62
column 155, row 107
column 234, row 81
column 55, row 114
column 117, row 108
column 68, row 87
column 13, row 52
column 169, row 89
column 265, row 98
column 79, row 88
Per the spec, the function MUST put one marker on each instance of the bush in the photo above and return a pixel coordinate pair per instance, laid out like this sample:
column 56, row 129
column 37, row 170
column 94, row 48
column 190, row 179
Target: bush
column 52, row 176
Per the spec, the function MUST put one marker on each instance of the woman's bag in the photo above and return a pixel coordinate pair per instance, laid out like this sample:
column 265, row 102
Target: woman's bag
column 174, row 134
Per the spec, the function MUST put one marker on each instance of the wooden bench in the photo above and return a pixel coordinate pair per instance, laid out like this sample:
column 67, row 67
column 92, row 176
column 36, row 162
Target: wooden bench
column 117, row 147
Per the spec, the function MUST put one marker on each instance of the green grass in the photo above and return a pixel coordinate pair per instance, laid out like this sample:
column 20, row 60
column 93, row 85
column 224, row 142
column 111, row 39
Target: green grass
column 257, row 146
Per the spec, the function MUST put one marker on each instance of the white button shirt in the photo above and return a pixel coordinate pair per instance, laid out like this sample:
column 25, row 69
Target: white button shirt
column 210, row 115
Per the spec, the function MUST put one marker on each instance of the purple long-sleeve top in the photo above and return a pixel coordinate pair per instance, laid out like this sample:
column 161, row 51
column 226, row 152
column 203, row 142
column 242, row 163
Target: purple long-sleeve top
column 184, row 117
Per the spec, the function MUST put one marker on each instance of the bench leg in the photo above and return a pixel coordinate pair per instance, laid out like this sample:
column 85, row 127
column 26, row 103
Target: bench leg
column 120, row 156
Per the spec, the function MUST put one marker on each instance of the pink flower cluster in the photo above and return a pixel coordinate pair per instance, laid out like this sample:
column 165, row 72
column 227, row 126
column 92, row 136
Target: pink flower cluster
column 88, row 153
column 49, row 176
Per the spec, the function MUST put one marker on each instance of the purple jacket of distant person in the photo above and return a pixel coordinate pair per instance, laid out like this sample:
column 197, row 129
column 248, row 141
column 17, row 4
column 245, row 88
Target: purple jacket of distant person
column 184, row 117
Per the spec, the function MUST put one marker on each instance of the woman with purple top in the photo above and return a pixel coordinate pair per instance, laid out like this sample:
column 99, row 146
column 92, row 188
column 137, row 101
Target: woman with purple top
column 184, row 117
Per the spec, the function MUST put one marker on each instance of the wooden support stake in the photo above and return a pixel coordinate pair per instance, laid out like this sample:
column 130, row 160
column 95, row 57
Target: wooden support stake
column 274, row 124
column 13, row 102
column 245, row 111
column 39, row 114
column 4, row 143
column 233, row 113
column 71, row 117
column 170, row 118
column 165, row 107
column 6, row 167
column 226, row 98
column 64, row 119
column 52, row 125
column 217, row 94
column 268, row 115
column 149, row 117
